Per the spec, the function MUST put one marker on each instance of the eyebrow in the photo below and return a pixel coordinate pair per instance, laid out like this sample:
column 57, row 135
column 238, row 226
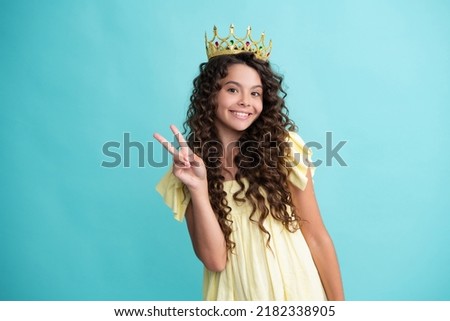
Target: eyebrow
column 239, row 85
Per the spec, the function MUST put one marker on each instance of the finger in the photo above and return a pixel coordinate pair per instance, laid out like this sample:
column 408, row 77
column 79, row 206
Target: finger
column 179, row 164
column 184, row 150
column 194, row 160
column 167, row 145
column 183, row 144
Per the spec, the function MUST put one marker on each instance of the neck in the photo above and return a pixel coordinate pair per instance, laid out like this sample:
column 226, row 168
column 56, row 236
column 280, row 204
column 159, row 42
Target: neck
column 230, row 150
column 229, row 168
column 227, row 137
column 230, row 147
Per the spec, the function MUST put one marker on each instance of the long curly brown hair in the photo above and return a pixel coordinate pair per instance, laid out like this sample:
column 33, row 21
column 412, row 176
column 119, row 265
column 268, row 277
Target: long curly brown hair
column 260, row 146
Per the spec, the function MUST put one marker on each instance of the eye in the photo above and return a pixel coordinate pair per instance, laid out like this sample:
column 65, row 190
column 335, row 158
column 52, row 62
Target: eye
column 232, row 90
column 256, row 94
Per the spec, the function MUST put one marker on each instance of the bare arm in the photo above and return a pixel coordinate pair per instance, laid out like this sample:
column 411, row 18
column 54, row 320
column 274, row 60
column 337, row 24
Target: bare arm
column 206, row 235
column 318, row 239
column 204, row 229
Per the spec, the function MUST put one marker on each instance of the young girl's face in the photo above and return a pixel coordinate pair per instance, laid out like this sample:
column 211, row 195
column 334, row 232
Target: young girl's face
column 239, row 101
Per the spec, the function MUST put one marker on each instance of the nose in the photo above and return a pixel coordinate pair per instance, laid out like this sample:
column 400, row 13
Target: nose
column 245, row 100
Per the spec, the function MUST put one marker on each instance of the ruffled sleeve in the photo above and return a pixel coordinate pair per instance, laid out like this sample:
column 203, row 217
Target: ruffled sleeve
column 173, row 194
column 299, row 160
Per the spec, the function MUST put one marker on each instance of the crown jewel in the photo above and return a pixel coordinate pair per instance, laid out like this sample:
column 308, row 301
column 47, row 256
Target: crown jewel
column 232, row 44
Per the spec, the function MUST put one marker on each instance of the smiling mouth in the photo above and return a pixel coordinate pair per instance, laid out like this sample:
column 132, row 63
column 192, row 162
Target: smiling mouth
column 240, row 115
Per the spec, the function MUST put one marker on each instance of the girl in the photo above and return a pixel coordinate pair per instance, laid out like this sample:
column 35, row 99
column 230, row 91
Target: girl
column 243, row 183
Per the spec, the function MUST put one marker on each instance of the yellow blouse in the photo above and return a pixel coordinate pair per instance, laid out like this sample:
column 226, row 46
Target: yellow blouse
column 283, row 271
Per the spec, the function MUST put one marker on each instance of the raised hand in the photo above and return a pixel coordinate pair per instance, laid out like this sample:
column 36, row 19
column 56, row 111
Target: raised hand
column 187, row 166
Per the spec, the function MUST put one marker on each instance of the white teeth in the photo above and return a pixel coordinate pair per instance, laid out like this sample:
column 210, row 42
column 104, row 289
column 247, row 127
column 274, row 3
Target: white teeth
column 240, row 115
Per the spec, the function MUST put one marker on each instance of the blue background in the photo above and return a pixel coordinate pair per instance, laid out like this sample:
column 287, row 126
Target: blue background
column 77, row 74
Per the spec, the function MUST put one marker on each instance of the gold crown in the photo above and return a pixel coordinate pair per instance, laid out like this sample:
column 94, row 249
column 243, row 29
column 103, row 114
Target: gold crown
column 232, row 45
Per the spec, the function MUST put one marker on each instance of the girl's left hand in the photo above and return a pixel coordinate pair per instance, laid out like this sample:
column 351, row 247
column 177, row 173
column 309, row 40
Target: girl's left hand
column 187, row 166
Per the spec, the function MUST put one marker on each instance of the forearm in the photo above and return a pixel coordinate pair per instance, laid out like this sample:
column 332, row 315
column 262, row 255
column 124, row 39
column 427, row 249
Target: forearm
column 207, row 236
column 324, row 255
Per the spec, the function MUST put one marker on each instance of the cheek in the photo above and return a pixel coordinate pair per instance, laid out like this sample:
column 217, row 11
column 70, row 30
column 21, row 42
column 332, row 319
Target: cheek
column 260, row 107
column 222, row 100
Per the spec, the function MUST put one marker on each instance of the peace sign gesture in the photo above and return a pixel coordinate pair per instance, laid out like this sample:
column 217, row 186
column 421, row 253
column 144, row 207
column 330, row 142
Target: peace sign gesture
column 187, row 166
